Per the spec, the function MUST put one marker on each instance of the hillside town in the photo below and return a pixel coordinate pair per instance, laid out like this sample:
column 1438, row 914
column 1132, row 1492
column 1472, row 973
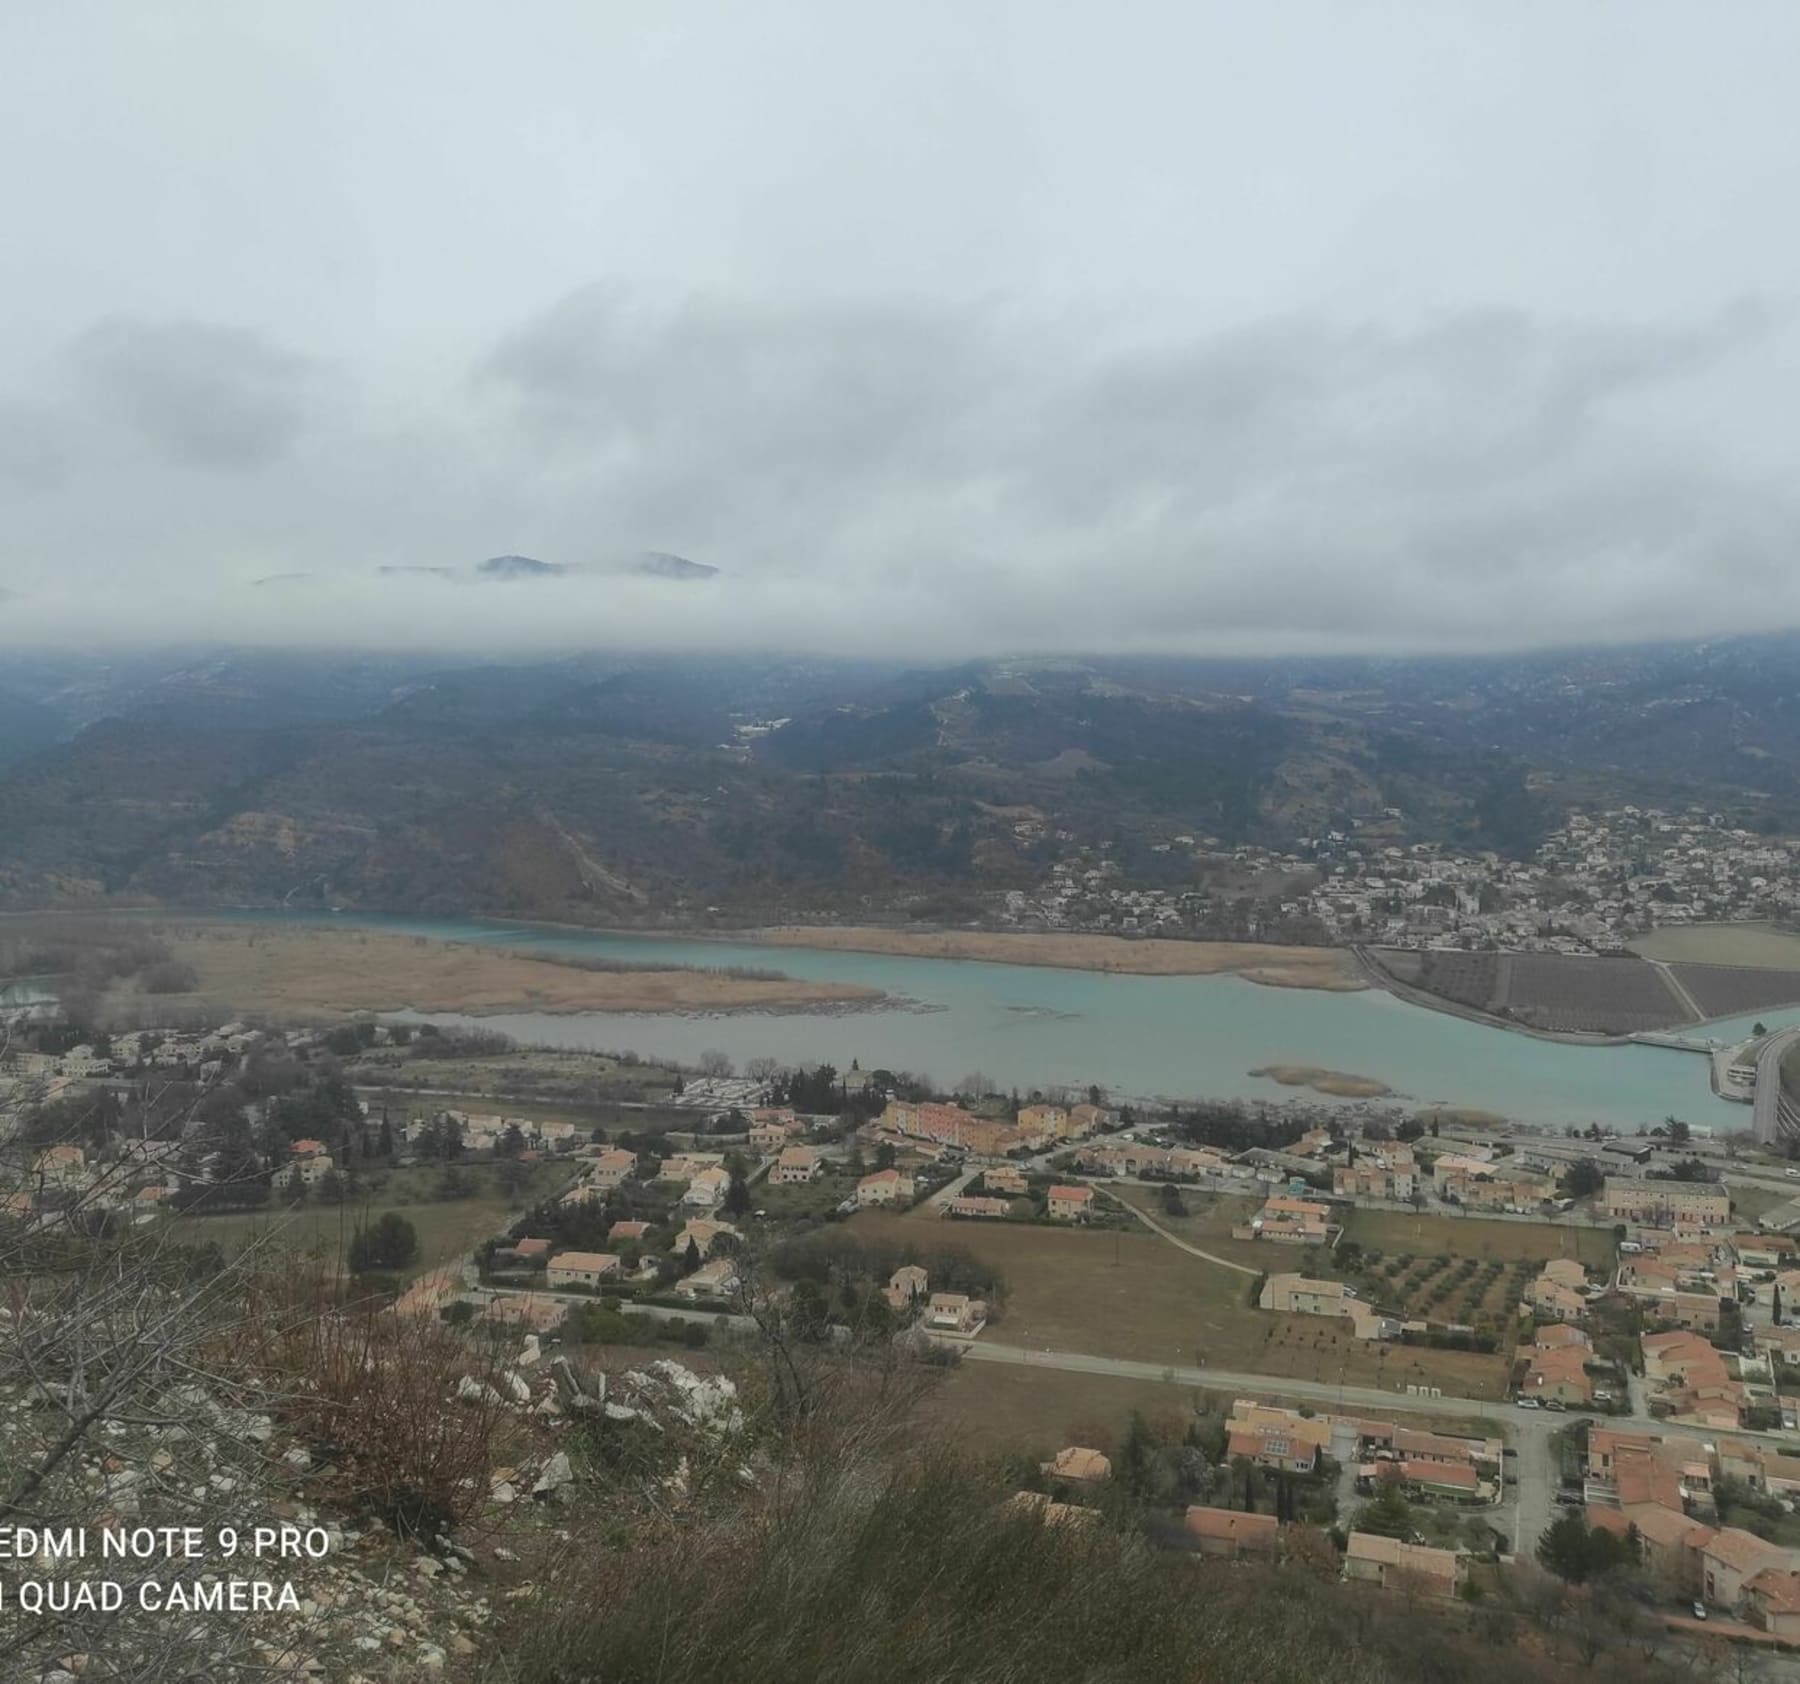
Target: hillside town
column 1594, row 884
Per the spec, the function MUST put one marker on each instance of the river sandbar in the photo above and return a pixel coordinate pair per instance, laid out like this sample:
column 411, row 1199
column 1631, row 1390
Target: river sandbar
column 1329, row 968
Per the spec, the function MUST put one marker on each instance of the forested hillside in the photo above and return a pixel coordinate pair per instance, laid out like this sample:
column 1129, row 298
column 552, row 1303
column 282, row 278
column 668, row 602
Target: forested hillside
column 599, row 789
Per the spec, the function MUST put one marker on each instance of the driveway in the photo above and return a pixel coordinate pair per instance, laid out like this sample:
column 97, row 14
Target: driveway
column 952, row 1190
column 1539, row 1474
column 1156, row 1227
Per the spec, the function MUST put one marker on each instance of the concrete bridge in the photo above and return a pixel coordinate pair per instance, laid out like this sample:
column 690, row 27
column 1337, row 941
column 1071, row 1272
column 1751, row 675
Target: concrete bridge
column 1777, row 1115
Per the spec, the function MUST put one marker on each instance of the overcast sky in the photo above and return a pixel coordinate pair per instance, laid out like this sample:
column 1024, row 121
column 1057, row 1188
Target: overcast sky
column 938, row 326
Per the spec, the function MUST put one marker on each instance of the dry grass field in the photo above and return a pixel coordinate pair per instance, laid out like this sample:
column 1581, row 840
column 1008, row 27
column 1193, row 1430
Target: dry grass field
column 1557, row 992
column 1133, row 1295
column 1322, row 1349
column 1279, row 967
column 1561, row 991
column 1759, row 945
column 1208, row 1224
column 1113, row 1294
column 309, row 974
column 997, row 1407
column 1733, row 990
column 1431, row 1234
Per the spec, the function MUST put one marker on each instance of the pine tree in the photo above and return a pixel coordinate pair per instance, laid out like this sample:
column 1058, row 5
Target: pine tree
column 1387, row 1515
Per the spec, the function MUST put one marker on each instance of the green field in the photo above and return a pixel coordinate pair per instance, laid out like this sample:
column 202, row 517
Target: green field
column 446, row 1227
column 799, row 1200
column 1748, row 1203
column 584, row 1114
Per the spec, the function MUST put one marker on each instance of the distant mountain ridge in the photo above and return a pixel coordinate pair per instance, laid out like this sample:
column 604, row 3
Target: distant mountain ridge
column 764, row 787
column 649, row 564
column 653, row 564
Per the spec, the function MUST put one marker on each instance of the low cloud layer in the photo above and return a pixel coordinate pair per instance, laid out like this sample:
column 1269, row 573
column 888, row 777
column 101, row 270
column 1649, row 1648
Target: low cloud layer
column 195, row 394
column 917, row 478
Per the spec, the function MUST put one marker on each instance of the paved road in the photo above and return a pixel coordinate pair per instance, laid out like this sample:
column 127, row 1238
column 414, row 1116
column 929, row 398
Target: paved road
column 951, row 1190
column 1538, row 1475
column 1504, row 1416
column 1768, row 1084
column 1686, row 1001
column 1222, row 1380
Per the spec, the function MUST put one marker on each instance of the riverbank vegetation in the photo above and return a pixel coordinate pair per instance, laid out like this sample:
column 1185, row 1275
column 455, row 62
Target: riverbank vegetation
column 132, row 974
column 1277, row 966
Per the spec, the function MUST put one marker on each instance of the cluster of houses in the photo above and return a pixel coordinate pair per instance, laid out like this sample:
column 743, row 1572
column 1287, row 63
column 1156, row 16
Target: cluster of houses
column 486, row 1131
column 133, row 1178
column 199, row 1054
column 135, row 1182
column 1474, row 1176
column 1661, row 1490
column 955, row 1315
column 1558, row 1357
column 937, row 1126
column 703, row 1176
column 1134, row 1158
column 1600, row 879
column 1556, row 1373
column 128, row 1177
column 1287, row 1221
column 1062, row 1202
column 1695, row 1276
column 1682, row 1207
column 587, row 1271
column 1424, row 1465
column 1692, row 1277
column 1340, row 1166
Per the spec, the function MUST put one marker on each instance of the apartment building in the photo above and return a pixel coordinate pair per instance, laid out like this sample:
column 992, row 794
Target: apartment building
column 1665, row 1204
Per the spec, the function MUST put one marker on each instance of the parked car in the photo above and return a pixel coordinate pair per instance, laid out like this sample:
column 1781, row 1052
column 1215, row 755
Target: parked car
column 1526, row 1402
column 1699, row 1609
column 1569, row 1499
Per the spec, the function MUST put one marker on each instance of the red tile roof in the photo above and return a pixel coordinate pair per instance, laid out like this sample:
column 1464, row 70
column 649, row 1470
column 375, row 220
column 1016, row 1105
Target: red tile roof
column 1247, row 1531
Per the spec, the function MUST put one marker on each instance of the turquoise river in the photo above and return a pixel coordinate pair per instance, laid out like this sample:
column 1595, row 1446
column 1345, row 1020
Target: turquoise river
column 1180, row 1037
